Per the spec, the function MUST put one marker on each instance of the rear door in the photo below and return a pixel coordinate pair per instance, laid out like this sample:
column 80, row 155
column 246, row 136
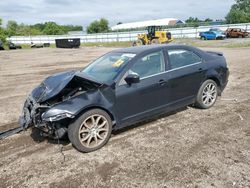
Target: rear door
column 185, row 75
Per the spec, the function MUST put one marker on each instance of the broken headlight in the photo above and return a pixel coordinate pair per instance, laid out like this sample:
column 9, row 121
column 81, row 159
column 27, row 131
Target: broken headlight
column 58, row 117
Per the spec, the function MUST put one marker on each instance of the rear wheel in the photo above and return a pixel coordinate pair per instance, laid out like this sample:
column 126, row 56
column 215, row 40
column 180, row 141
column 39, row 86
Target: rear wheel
column 207, row 94
column 90, row 131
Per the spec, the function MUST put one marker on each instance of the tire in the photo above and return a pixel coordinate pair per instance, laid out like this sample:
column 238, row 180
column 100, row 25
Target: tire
column 155, row 41
column 139, row 42
column 207, row 95
column 203, row 38
column 87, row 133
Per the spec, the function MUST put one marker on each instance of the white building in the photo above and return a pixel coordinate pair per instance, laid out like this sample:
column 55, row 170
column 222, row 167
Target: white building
column 142, row 24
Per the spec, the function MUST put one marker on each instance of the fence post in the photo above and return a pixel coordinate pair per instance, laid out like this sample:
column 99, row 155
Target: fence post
column 117, row 36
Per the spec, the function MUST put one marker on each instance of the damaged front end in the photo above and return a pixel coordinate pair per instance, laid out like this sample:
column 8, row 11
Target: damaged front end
column 32, row 115
column 41, row 107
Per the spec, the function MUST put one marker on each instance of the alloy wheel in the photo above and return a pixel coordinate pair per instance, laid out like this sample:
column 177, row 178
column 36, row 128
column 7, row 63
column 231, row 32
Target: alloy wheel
column 93, row 131
column 209, row 94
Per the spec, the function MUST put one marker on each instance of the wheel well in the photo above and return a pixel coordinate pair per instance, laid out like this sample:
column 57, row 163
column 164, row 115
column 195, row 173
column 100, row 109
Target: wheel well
column 98, row 107
column 217, row 82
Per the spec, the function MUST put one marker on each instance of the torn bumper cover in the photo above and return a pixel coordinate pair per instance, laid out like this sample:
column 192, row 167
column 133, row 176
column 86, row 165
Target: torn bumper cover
column 29, row 113
column 34, row 114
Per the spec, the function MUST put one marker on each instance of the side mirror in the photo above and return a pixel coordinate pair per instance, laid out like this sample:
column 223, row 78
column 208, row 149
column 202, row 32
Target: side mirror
column 132, row 79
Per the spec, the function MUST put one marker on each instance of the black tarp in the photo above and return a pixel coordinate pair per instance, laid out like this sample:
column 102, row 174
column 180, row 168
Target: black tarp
column 1, row 46
column 68, row 43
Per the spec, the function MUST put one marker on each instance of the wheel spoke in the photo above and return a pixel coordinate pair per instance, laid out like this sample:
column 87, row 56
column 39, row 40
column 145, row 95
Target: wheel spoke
column 101, row 130
column 93, row 120
column 98, row 119
column 96, row 140
column 89, row 140
column 86, row 137
column 99, row 136
column 213, row 88
column 102, row 125
column 84, row 131
column 206, row 100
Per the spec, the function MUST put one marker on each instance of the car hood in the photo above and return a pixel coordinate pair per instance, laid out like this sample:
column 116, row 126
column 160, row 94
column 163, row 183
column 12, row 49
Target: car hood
column 54, row 84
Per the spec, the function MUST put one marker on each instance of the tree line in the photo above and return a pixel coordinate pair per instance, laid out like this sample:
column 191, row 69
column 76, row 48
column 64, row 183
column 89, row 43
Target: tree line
column 239, row 13
column 48, row 28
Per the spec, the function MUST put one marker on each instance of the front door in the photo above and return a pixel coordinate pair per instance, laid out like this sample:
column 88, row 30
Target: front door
column 134, row 102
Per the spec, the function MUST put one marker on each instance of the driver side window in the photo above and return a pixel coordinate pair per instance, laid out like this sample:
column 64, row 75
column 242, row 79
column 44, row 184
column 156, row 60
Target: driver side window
column 149, row 65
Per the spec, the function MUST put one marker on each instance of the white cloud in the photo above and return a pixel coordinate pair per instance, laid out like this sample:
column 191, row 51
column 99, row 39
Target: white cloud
column 83, row 12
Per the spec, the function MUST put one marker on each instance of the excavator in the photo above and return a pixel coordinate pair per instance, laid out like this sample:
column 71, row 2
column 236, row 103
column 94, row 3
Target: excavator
column 154, row 36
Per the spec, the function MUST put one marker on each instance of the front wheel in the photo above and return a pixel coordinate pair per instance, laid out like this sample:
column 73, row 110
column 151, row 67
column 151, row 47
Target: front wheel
column 155, row 41
column 207, row 94
column 138, row 42
column 90, row 131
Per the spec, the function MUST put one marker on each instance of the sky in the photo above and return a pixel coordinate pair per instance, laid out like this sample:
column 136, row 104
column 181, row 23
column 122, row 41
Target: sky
column 83, row 12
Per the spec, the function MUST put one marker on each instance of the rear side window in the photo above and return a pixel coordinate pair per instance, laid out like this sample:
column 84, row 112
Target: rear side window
column 180, row 58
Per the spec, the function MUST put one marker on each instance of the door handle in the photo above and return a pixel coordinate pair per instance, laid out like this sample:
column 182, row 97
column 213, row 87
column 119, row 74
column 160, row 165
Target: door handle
column 200, row 69
column 162, row 82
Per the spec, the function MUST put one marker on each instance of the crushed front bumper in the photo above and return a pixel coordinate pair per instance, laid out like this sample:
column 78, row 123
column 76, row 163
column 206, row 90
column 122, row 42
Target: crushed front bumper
column 25, row 119
column 30, row 114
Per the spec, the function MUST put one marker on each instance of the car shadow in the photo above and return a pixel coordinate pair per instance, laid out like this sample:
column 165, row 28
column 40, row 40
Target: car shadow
column 37, row 137
column 155, row 118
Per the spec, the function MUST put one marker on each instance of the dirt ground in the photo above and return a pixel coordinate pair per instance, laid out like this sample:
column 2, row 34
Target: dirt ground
column 188, row 148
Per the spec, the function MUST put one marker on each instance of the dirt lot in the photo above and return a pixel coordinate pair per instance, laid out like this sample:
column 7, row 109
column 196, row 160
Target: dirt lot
column 188, row 148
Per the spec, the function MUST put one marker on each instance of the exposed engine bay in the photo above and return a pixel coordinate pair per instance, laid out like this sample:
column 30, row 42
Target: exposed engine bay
column 43, row 98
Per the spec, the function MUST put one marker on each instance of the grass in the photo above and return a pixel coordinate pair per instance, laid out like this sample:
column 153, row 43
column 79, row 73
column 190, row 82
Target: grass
column 227, row 43
column 107, row 44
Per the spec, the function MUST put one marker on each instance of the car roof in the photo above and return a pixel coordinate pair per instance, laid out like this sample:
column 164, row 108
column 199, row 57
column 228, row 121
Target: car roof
column 148, row 48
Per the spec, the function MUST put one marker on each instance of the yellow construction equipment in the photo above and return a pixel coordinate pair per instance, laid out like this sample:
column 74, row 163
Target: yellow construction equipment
column 154, row 36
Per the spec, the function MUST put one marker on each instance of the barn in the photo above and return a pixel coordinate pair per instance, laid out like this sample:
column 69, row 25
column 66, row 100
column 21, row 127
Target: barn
column 143, row 24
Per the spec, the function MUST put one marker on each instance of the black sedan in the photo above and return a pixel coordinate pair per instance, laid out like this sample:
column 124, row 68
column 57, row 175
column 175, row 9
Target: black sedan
column 121, row 88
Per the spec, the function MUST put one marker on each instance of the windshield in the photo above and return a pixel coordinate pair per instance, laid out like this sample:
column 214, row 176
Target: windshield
column 107, row 67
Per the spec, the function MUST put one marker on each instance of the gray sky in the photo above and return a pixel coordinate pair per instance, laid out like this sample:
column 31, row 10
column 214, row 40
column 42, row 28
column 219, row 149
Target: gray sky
column 82, row 12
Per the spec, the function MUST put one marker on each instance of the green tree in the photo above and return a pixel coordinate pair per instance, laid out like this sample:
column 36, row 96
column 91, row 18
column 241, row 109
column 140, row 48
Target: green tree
column 192, row 20
column 51, row 28
column 12, row 28
column 208, row 20
column 239, row 12
column 2, row 33
column 98, row 26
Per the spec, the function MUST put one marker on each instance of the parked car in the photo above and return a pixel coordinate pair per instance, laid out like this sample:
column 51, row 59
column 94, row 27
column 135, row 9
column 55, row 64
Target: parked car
column 217, row 30
column 32, row 45
column 212, row 35
column 121, row 88
column 236, row 33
